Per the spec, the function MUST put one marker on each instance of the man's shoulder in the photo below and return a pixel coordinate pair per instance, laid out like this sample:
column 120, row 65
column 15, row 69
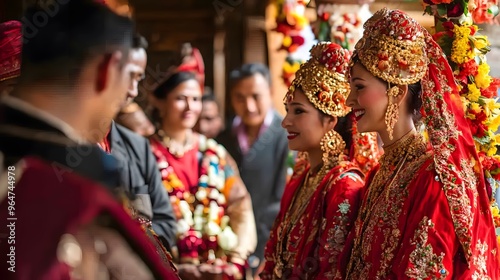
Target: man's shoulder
column 14, row 117
column 226, row 136
column 277, row 119
column 128, row 137
column 129, row 134
column 277, row 116
column 131, row 145
column 277, row 132
column 34, row 168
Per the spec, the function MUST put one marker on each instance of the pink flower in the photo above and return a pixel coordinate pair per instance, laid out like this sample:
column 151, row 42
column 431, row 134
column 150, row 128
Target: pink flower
column 483, row 11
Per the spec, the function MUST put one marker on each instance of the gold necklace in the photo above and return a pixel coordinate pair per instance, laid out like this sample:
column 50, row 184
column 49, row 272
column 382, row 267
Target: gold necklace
column 391, row 163
column 407, row 149
column 294, row 212
column 175, row 147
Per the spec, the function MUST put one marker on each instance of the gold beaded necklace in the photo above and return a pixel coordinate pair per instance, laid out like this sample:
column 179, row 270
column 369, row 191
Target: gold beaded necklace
column 294, row 212
column 175, row 147
column 405, row 150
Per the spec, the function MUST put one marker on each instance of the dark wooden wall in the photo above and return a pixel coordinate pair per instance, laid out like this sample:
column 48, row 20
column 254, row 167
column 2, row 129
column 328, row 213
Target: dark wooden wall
column 10, row 10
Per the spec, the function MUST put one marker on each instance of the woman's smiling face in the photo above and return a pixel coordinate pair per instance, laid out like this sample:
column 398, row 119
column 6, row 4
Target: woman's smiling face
column 368, row 99
column 305, row 124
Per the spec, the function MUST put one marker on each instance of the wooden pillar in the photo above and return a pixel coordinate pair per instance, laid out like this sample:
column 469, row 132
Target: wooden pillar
column 234, row 45
column 255, row 47
column 276, row 59
column 219, row 69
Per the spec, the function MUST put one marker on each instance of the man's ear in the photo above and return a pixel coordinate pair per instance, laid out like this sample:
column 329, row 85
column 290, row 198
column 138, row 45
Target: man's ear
column 105, row 69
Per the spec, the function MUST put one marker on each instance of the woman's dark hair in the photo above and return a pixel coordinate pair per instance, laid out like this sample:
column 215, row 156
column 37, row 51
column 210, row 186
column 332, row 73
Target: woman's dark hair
column 139, row 42
column 172, row 82
column 343, row 127
column 414, row 100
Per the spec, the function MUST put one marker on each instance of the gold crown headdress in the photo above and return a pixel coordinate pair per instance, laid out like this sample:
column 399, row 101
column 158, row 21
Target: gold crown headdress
column 323, row 79
column 392, row 48
column 397, row 49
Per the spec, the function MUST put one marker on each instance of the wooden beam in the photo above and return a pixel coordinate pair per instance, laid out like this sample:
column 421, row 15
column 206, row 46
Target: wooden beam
column 174, row 15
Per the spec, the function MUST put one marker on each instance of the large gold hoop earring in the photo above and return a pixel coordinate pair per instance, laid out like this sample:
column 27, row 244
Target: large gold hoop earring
column 392, row 112
column 332, row 146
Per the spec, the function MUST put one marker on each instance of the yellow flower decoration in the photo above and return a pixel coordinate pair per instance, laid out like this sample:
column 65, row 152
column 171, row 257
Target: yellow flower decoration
column 492, row 105
column 492, row 151
column 466, row 102
column 474, row 93
column 461, row 48
column 495, row 211
column 475, row 106
column 480, row 42
column 287, row 41
column 482, row 78
column 497, row 139
column 494, row 124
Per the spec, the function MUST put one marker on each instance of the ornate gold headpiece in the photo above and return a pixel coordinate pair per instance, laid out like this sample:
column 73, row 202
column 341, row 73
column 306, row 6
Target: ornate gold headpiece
column 323, row 79
column 393, row 48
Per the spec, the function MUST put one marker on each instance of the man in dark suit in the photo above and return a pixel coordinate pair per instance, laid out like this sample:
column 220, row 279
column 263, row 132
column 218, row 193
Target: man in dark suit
column 259, row 145
column 140, row 175
column 61, row 186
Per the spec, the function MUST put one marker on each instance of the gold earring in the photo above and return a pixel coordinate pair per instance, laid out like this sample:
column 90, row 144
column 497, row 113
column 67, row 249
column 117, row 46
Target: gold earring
column 392, row 112
column 332, row 146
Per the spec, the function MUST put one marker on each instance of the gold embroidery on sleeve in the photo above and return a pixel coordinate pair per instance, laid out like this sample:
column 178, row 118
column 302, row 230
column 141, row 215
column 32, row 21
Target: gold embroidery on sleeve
column 480, row 262
column 424, row 263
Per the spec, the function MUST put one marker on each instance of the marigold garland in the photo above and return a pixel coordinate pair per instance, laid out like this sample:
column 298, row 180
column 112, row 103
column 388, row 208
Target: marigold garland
column 461, row 50
column 203, row 228
column 292, row 22
column 466, row 50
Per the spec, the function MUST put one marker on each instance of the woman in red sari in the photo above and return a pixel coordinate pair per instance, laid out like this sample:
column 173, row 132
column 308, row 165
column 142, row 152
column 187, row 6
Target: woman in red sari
column 321, row 200
column 216, row 226
column 425, row 213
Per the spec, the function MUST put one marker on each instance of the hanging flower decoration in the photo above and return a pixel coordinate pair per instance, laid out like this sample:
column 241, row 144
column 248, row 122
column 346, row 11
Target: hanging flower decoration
column 483, row 11
column 478, row 11
column 466, row 48
column 297, row 35
column 290, row 67
column 341, row 23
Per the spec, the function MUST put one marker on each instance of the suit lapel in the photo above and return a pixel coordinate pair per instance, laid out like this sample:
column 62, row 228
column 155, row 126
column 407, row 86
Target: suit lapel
column 119, row 151
column 230, row 142
column 275, row 124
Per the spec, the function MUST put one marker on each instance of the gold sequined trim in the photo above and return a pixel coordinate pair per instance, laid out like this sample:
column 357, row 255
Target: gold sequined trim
column 424, row 263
